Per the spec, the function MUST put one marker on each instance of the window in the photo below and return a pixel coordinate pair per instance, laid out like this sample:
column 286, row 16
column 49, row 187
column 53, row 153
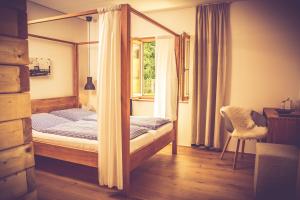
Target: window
column 185, row 67
column 143, row 68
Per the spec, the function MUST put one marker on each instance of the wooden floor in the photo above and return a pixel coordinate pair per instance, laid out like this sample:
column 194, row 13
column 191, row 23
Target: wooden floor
column 192, row 174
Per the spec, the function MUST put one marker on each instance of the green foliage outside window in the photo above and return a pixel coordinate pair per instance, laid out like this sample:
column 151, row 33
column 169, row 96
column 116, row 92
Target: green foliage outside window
column 149, row 68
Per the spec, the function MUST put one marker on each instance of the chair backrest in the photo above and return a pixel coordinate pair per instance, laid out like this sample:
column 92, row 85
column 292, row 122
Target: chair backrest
column 258, row 119
column 228, row 124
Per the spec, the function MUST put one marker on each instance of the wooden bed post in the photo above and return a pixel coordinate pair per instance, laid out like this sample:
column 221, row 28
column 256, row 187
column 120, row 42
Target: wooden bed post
column 75, row 74
column 177, row 55
column 125, row 94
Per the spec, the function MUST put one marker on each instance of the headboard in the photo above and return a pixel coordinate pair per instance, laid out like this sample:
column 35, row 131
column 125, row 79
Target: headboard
column 51, row 104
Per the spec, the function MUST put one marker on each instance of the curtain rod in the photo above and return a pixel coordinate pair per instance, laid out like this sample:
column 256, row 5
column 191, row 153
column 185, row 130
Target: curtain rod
column 219, row 2
column 213, row 3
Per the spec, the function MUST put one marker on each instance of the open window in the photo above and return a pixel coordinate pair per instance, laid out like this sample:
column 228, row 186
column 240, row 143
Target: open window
column 143, row 68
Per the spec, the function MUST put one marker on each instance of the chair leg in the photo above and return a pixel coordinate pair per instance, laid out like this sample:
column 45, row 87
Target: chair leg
column 236, row 154
column 243, row 148
column 225, row 147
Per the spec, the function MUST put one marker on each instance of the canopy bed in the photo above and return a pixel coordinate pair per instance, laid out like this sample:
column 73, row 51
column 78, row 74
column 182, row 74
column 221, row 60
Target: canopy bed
column 133, row 152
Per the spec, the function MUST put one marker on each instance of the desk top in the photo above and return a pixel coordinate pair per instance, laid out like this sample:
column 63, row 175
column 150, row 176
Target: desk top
column 272, row 113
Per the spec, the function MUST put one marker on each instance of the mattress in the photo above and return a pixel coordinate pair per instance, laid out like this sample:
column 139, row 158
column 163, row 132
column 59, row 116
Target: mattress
column 92, row 145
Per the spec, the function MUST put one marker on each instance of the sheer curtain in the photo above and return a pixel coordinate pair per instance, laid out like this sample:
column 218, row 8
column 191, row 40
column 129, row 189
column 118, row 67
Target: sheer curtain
column 209, row 74
column 166, row 83
column 109, row 99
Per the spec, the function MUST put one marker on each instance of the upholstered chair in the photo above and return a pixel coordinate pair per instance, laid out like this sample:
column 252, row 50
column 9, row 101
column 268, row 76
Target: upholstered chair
column 242, row 124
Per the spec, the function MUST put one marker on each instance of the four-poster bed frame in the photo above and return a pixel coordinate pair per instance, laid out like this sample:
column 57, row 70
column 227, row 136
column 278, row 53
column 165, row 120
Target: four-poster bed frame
column 130, row 161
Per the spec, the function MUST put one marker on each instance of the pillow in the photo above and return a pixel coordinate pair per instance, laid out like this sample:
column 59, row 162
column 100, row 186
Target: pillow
column 42, row 121
column 136, row 131
column 148, row 122
column 92, row 117
column 259, row 119
column 73, row 114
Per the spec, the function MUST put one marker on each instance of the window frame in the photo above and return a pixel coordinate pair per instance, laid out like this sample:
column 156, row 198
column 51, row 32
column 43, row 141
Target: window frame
column 142, row 40
column 183, row 69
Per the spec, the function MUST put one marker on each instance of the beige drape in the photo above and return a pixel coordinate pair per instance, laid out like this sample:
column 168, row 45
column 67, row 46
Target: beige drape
column 209, row 73
column 165, row 100
column 109, row 98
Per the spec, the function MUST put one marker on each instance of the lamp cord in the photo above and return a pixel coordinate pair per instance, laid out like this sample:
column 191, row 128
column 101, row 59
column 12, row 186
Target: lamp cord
column 89, row 50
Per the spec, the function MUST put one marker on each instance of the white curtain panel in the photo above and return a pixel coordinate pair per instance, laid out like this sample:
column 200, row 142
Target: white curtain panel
column 166, row 83
column 109, row 99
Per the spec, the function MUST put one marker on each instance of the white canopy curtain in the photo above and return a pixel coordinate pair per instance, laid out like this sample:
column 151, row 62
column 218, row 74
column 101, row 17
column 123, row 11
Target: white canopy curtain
column 166, row 82
column 109, row 99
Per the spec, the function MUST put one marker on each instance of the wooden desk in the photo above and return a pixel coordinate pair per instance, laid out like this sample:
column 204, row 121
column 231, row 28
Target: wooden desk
column 282, row 130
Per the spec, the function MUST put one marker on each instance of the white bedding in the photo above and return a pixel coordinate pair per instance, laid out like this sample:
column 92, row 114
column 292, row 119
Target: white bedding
column 92, row 145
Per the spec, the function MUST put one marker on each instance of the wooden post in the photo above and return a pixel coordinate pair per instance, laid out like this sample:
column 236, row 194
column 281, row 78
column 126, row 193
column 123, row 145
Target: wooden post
column 16, row 151
column 125, row 94
column 75, row 74
column 177, row 54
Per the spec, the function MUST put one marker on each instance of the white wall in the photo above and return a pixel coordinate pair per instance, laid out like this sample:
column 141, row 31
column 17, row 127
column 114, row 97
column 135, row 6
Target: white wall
column 59, row 83
column 265, row 54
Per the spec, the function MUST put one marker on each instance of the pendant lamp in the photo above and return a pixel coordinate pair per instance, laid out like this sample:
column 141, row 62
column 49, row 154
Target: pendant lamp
column 89, row 80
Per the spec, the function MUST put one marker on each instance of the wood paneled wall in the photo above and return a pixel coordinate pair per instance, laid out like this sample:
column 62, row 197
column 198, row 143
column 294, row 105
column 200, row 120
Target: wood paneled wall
column 17, row 179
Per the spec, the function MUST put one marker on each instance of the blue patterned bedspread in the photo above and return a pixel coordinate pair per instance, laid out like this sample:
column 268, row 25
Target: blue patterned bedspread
column 87, row 130
column 148, row 122
column 141, row 121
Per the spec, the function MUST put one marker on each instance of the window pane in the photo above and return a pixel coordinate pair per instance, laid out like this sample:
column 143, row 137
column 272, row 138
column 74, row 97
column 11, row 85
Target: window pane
column 136, row 69
column 186, row 83
column 149, row 68
column 187, row 54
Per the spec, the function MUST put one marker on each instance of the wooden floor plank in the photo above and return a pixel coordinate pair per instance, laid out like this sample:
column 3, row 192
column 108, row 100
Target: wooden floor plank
column 192, row 174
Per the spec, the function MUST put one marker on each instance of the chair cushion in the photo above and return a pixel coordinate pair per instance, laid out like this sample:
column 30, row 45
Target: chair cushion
column 257, row 132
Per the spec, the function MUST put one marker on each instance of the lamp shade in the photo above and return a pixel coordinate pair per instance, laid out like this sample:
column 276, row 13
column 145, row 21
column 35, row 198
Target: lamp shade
column 89, row 84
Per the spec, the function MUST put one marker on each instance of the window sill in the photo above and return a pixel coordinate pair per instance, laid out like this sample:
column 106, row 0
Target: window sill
column 152, row 100
column 149, row 99
column 183, row 101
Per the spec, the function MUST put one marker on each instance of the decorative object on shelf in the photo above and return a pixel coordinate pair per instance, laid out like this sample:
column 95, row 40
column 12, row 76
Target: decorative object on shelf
column 89, row 80
column 40, row 66
column 286, row 104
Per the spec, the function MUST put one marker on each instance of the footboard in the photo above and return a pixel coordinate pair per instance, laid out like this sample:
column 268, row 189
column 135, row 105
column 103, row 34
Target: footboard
column 146, row 152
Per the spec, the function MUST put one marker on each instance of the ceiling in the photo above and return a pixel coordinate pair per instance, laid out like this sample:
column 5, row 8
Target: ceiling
column 69, row 6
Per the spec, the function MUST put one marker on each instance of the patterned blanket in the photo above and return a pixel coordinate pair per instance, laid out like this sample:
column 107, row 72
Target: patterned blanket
column 152, row 123
column 87, row 130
